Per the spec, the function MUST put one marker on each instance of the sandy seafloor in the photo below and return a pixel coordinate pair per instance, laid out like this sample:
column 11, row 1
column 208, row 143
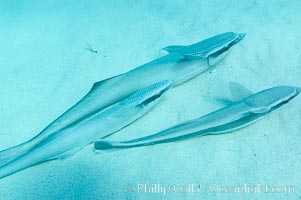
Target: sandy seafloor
column 45, row 69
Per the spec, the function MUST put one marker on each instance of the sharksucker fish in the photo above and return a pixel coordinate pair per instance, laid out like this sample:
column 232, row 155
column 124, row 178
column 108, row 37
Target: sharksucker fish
column 73, row 138
column 180, row 65
column 232, row 117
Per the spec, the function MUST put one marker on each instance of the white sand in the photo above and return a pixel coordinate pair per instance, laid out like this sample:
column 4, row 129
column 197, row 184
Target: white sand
column 45, row 68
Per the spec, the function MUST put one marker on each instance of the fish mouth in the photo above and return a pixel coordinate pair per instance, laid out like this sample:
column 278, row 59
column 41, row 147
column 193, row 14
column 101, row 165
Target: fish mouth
column 298, row 89
column 296, row 93
column 240, row 36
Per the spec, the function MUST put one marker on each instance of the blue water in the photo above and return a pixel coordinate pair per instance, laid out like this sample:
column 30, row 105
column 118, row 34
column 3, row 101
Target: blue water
column 48, row 62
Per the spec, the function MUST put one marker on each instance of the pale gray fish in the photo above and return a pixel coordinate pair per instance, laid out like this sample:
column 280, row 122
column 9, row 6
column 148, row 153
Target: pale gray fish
column 232, row 117
column 73, row 138
column 182, row 64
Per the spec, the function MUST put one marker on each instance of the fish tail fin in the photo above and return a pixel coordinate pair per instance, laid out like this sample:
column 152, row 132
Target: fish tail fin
column 105, row 146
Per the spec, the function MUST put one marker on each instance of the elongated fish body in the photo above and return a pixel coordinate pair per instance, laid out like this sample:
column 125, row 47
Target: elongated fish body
column 71, row 139
column 238, row 115
column 182, row 64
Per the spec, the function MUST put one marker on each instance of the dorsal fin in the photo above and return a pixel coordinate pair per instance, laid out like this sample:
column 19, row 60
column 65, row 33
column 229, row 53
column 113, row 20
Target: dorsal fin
column 238, row 91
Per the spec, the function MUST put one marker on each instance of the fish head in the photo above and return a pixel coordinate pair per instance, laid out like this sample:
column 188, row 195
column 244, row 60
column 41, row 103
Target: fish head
column 148, row 96
column 270, row 99
column 212, row 49
column 219, row 46
column 136, row 105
